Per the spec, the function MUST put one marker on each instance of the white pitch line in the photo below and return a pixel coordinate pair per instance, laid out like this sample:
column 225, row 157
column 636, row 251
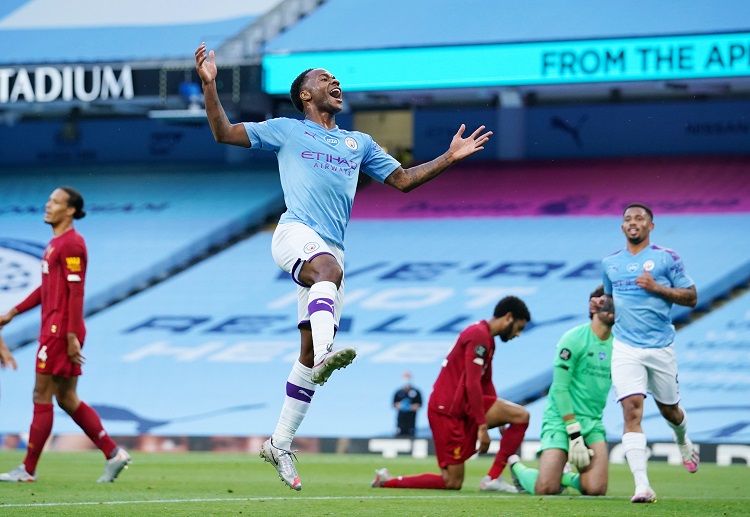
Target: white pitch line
column 318, row 498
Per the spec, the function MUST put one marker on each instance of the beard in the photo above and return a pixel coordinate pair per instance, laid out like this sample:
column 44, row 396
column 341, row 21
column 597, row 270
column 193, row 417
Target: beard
column 636, row 240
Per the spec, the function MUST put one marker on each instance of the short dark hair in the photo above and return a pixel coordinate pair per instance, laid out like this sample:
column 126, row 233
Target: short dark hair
column 297, row 88
column 513, row 305
column 639, row 205
column 75, row 199
column 596, row 293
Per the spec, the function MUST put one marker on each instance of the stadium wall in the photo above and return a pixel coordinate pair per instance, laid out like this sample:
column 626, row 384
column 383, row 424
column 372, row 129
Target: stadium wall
column 723, row 455
column 546, row 132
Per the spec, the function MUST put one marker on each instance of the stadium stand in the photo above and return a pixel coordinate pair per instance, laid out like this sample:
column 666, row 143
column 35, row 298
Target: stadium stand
column 412, row 285
column 142, row 224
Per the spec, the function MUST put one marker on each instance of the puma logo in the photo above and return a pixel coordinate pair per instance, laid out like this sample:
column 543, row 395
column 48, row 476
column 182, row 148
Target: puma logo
column 573, row 131
column 305, row 393
column 325, row 303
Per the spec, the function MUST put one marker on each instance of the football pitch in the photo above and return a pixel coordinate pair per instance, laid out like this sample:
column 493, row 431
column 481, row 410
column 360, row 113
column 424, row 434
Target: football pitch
column 184, row 484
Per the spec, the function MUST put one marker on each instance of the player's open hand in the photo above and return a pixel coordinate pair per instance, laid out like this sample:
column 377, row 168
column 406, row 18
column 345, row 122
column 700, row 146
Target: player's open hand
column 205, row 64
column 596, row 303
column 462, row 147
column 74, row 350
column 6, row 357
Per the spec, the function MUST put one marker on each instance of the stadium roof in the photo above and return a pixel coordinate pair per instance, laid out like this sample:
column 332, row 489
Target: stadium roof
column 78, row 31
column 345, row 24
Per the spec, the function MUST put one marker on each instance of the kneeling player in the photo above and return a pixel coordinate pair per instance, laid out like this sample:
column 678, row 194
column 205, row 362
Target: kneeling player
column 572, row 428
column 463, row 406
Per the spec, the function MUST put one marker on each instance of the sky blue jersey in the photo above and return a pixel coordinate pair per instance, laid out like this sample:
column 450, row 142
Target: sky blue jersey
column 643, row 319
column 319, row 170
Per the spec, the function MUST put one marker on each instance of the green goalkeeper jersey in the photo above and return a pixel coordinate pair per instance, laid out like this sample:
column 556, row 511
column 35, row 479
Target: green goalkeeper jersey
column 581, row 376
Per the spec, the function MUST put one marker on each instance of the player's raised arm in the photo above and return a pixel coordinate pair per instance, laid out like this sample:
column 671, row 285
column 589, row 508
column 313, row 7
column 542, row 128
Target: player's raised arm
column 406, row 180
column 224, row 131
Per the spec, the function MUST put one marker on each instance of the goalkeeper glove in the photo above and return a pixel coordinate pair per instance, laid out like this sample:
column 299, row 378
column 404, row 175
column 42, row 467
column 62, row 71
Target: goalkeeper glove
column 578, row 454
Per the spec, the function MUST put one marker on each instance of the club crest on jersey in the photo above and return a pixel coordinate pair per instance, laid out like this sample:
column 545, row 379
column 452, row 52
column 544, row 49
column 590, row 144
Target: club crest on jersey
column 351, row 143
column 331, row 140
column 648, row 265
column 632, row 267
column 311, row 246
column 602, row 356
column 480, row 351
column 565, row 354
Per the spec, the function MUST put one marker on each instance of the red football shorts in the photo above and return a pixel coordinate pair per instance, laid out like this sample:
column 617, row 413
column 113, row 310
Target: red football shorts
column 52, row 358
column 455, row 439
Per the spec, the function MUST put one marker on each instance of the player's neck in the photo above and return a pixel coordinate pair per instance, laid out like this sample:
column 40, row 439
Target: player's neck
column 327, row 120
column 635, row 249
column 61, row 228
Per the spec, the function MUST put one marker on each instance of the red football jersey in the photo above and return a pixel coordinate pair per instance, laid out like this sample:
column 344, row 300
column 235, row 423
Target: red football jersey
column 61, row 293
column 466, row 375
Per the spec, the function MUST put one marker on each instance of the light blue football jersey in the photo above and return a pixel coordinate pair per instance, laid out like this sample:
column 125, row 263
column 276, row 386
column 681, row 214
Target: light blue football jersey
column 643, row 319
column 319, row 170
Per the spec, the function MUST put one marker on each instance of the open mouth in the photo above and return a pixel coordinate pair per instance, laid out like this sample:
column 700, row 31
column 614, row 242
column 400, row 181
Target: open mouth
column 335, row 93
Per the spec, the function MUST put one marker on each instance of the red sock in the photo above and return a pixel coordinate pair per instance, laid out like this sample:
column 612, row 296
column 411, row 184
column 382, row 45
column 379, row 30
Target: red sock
column 419, row 481
column 509, row 444
column 89, row 421
column 41, row 428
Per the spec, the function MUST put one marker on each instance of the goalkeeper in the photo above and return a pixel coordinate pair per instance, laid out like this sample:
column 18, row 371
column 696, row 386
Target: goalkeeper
column 572, row 428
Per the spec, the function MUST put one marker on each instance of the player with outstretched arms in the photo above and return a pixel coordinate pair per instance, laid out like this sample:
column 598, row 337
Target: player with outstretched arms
column 319, row 166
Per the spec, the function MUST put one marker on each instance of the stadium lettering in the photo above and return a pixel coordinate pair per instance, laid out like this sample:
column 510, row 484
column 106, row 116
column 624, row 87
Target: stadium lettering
column 736, row 53
column 47, row 84
column 434, row 271
column 587, row 62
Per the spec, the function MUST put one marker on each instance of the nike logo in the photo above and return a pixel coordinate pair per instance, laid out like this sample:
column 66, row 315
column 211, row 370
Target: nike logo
column 306, row 394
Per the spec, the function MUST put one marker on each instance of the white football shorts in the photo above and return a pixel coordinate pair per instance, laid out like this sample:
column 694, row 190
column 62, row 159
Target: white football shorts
column 292, row 245
column 645, row 370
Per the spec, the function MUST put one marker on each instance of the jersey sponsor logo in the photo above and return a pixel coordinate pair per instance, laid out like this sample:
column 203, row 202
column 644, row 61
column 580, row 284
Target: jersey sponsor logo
column 73, row 264
column 480, row 351
column 331, row 140
column 351, row 143
column 565, row 354
column 648, row 265
column 330, row 162
column 632, row 267
column 311, row 246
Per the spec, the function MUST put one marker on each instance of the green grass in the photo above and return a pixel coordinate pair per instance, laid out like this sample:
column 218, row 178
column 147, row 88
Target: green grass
column 187, row 484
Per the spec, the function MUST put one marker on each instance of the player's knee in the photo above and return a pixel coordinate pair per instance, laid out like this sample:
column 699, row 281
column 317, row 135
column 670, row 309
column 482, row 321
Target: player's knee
column 594, row 488
column 453, row 484
column 546, row 488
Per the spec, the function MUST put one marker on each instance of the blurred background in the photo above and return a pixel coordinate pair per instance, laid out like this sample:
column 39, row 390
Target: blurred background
column 192, row 327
